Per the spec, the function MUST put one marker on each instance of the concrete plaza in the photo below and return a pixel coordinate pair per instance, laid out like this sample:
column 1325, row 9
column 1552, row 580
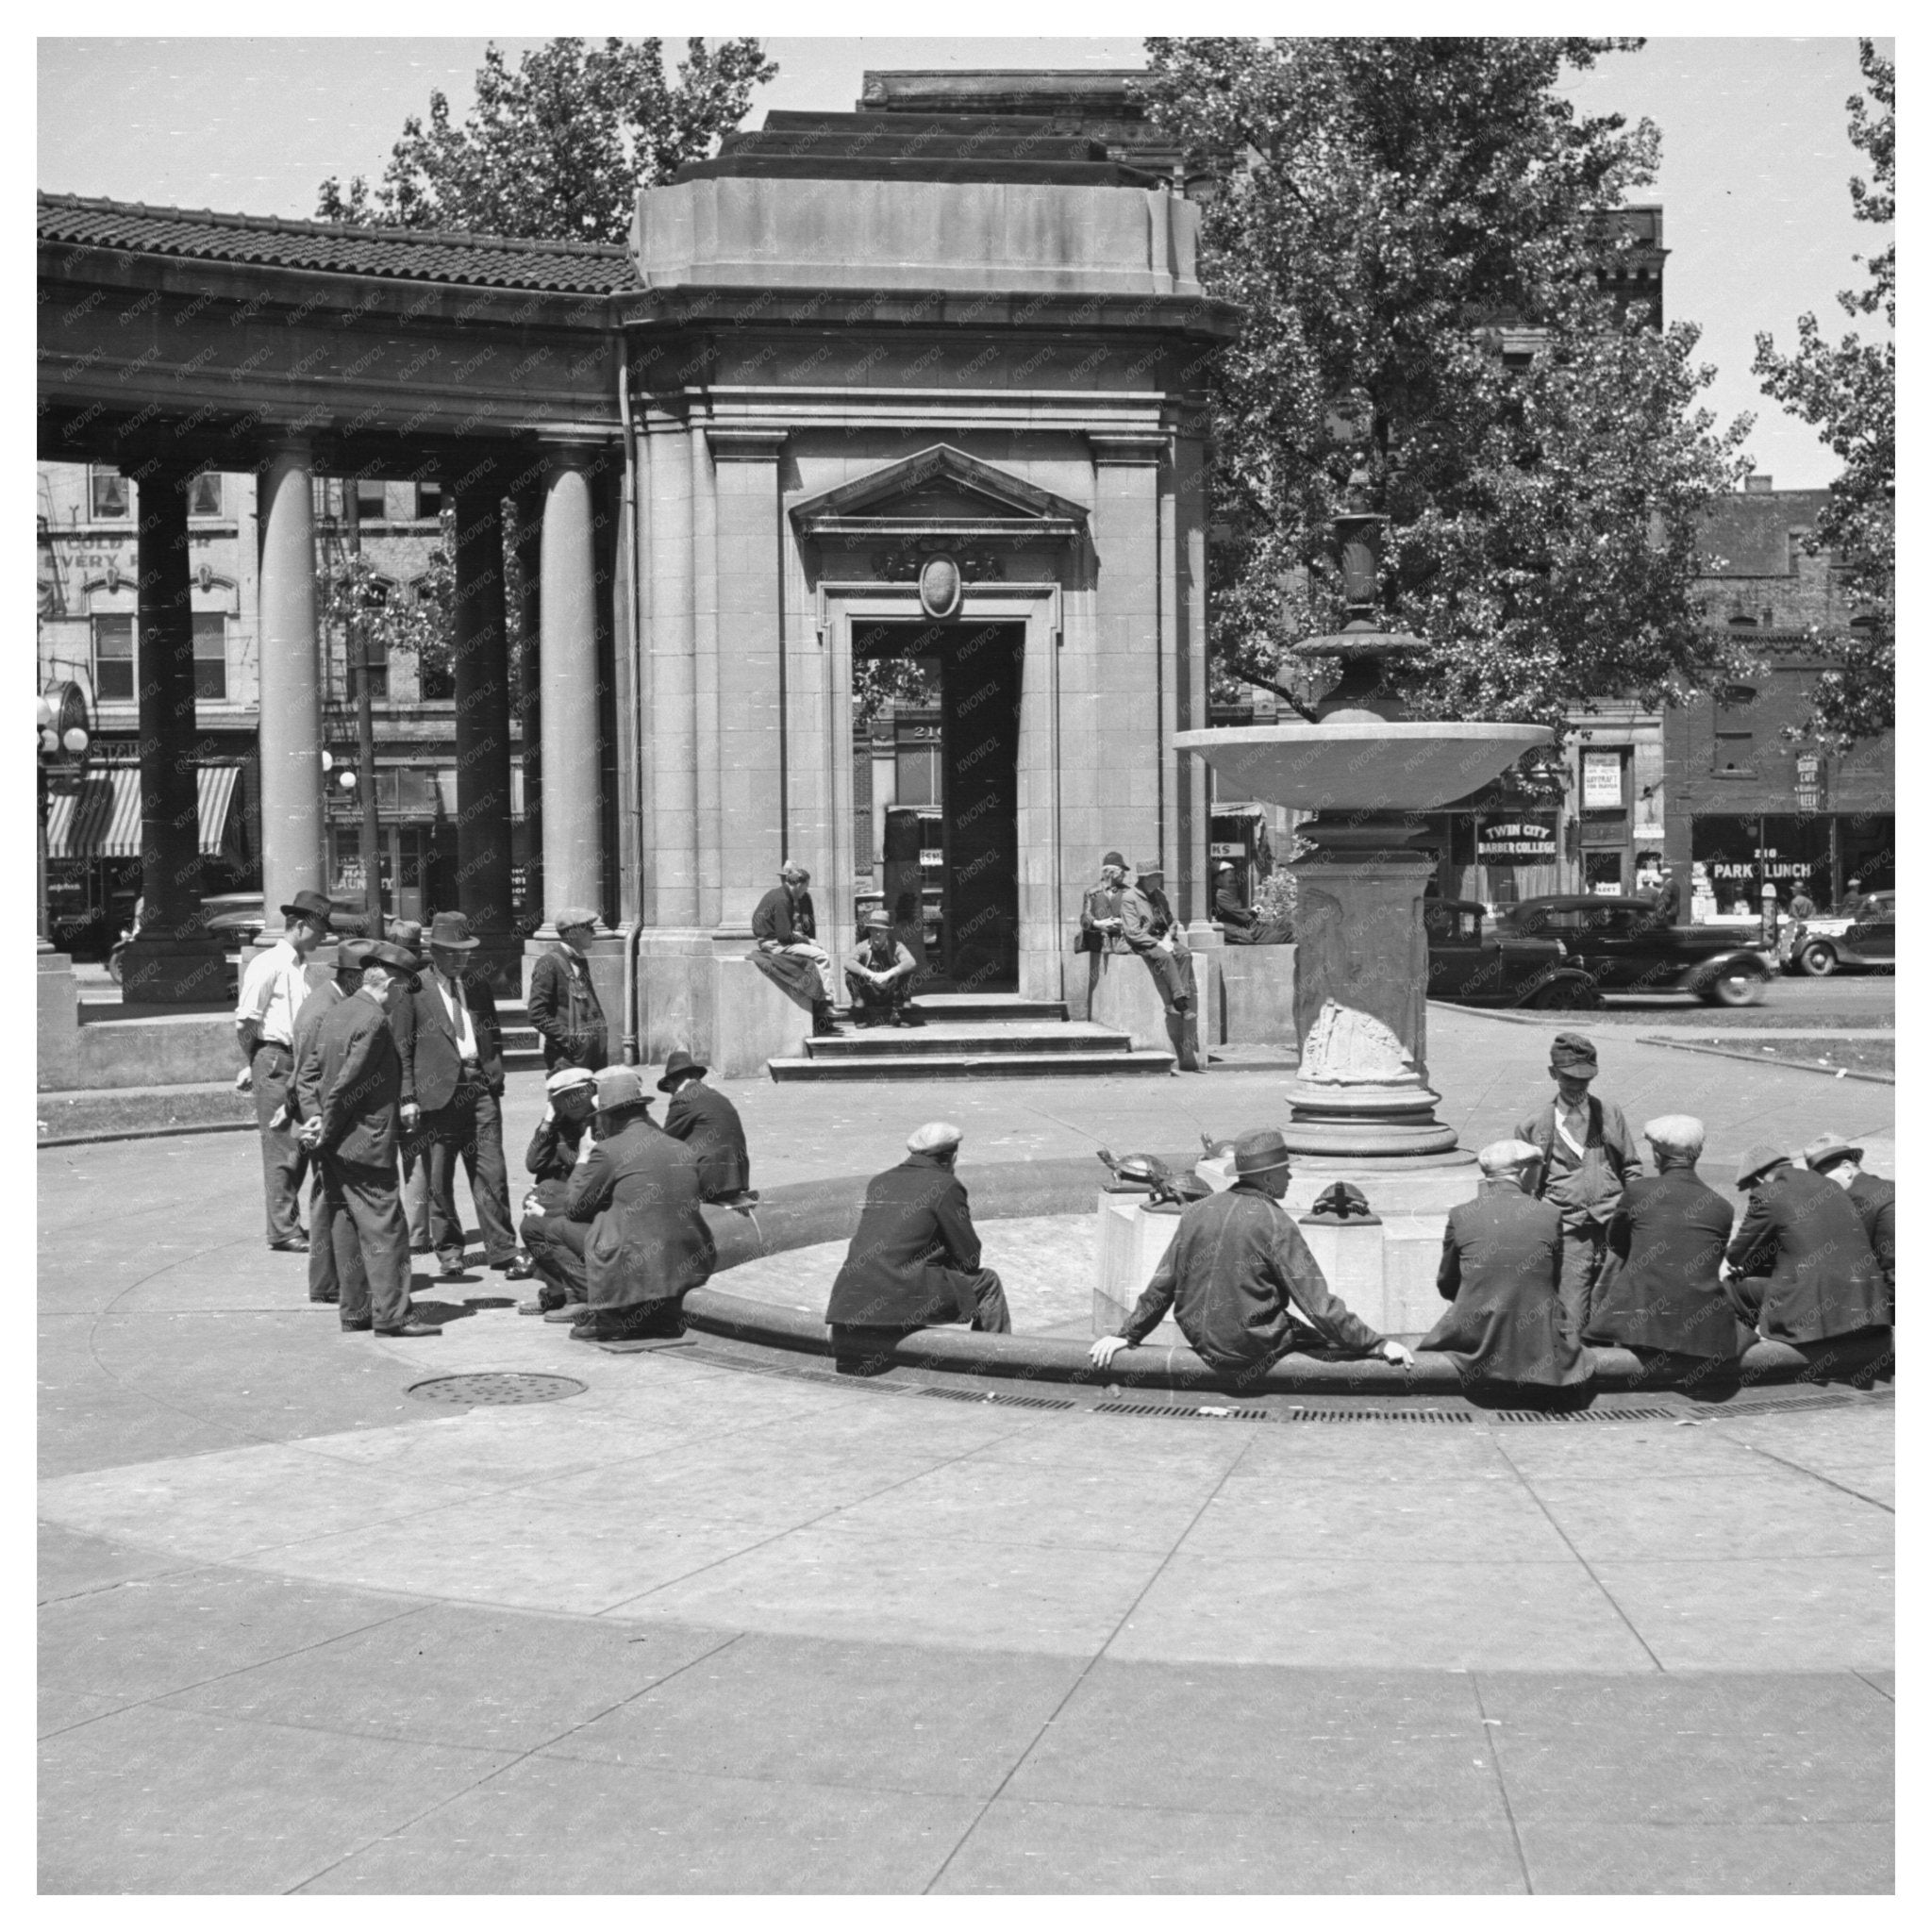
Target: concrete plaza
column 708, row 1627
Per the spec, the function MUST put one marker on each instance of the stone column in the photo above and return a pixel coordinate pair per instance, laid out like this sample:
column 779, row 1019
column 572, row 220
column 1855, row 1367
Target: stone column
column 173, row 962
column 290, row 733
column 573, row 825
column 482, row 722
column 670, row 679
column 528, row 542
column 1133, row 670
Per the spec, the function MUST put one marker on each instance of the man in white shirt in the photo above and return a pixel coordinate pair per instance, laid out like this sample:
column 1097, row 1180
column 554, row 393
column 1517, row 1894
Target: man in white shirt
column 273, row 990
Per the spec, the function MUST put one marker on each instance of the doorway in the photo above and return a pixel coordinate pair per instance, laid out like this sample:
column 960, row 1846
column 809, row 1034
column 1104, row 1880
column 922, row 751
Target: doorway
column 960, row 680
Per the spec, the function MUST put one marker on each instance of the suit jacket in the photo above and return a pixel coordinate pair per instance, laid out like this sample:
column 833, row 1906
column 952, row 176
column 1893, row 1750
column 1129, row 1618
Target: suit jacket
column 1660, row 1288
column 565, row 1010
column 648, row 1242
column 304, row 1089
column 427, row 1040
column 1805, row 1232
column 915, row 1236
column 359, row 1084
column 1874, row 1197
column 1502, row 1257
column 708, row 1125
column 775, row 918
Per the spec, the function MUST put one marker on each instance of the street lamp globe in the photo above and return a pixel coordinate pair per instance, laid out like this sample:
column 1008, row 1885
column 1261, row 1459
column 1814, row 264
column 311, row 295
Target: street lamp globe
column 50, row 739
column 75, row 739
column 347, row 780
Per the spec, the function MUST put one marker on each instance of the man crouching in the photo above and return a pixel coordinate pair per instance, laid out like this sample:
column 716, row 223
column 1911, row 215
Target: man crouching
column 1235, row 1270
column 914, row 1260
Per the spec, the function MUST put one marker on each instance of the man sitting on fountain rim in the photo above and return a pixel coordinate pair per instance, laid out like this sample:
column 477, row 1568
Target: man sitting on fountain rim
column 1235, row 1270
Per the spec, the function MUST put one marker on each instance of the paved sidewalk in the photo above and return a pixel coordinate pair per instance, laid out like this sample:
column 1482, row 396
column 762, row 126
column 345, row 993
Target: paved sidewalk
column 704, row 1629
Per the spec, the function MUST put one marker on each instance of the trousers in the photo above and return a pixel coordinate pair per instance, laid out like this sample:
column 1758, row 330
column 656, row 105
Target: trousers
column 284, row 1160
column 372, row 1244
column 335, row 1255
column 1583, row 1261
column 470, row 1127
column 556, row 1246
column 416, row 1195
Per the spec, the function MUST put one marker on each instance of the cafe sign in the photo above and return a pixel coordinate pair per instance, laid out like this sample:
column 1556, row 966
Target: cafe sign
column 1516, row 841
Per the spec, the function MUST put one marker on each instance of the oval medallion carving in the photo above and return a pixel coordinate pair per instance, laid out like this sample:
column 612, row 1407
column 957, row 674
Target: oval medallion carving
column 940, row 589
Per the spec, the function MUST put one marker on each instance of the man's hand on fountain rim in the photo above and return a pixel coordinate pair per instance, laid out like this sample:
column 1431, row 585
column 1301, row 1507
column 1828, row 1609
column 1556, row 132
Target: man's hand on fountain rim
column 1395, row 1351
column 1106, row 1348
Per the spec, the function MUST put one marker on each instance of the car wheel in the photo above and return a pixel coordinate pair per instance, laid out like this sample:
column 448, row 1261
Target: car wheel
column 1738, row 988
column 1559, row 996
column 1817, row 960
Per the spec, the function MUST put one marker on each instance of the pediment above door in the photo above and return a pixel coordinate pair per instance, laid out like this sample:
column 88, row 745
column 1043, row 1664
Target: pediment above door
column 939, row 493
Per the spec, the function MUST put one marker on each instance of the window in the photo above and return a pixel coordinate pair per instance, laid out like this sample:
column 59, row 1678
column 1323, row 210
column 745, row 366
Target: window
column 916, row 780
column 1734, row 732
column 428, row 500
column 113, row 657
column 204, row 495
column 210, row 655
column 108, row 494
column 369, row 499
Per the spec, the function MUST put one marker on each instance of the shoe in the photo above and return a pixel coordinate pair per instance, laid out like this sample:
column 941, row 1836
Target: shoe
column 411, row 1328
column 451, row 1269
column 529, row 1307
column 584, row 1331
column 324, row 1301
column 571, row 1312
column 519, row 1267
column 908, row 1020
column 294, row 1245
column 356, row 1327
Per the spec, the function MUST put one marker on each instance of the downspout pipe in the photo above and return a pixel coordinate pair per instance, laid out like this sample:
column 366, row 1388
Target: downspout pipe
column 634, row 930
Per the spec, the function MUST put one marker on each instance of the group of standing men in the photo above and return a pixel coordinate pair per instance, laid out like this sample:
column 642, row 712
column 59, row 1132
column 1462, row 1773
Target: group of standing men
column 392, row 1070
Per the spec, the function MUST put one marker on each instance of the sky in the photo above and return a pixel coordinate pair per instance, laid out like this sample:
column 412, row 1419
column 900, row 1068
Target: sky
column 1753, row 181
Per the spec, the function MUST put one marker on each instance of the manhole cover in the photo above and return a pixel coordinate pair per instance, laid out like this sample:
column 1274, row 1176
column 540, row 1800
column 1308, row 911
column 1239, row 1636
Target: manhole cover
column 499, row 1390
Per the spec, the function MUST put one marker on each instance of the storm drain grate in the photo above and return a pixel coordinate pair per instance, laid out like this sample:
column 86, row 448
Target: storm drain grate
column 1209, row 1413
column 1003, row 1401
column 495, row 1389
column 1585, row 1415
column 1370, row 1415
column 1720, row 1411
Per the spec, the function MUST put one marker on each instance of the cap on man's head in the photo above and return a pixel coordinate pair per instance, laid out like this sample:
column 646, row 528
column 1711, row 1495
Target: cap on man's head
column 1827, row 1150
column 574, row 916
column 876, row 919
column 387, row 953
column 620, row 1086
column 451, row 931
column 1260, row 1151
column 1679, row 1133
column 1760, row 1160
column 680, row 1067
column 353, row 955
column 1147, row 867
column 313, row 906
column 935, row 1137
column 792, row 869
column 1571, row 1053
column 405, row 932
column 1225, row 865
column 565, row 1078
column 1114, row 858
column 1507, row 1156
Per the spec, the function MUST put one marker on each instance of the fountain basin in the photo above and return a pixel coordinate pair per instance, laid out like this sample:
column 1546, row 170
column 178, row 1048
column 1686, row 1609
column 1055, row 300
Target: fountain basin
column 1370, row 764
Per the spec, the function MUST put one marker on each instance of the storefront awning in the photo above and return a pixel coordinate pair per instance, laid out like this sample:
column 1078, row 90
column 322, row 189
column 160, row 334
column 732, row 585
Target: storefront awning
column 99, row 816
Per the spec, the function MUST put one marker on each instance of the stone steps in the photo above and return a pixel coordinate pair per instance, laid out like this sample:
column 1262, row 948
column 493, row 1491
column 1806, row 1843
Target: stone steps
column 1011, row 1066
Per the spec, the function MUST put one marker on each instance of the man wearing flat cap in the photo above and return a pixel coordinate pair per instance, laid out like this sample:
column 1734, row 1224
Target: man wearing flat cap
column 788, row 952
column 563, row 1003
column 1873, row 1196
column 1151, row 931
column 552, row 1240
column 1586, row 1155
column 1501, row 1266
column 881, row 976
column 305, row 1104
column 1236, row 1272
column 1803, row 1269
column 648, row 1243
column 354, row 1133
column 708, row 1125
column 914, row 1260
column 1660, row 1293
column 274, row 987
column 1100, row 910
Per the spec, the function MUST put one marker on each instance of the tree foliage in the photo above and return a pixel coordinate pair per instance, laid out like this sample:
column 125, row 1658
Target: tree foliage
column 1844, row 390
column 558, row 148
column 1393, row 215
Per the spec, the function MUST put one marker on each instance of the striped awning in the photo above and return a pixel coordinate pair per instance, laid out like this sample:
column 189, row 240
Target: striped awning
column 98, row 816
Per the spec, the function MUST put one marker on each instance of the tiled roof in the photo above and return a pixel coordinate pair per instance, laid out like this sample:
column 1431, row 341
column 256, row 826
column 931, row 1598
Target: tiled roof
column 488, row 261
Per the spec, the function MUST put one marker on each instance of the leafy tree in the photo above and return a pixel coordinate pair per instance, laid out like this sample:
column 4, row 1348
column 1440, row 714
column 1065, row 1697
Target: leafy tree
column 559, row 148
column 1415, row 229
column 1845, row 392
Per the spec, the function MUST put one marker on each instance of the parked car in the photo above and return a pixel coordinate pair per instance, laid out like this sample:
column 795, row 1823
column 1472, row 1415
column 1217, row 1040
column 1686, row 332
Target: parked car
column 1489, row 966
column 1624, row 946
column 1824, row 943
column 238, row 918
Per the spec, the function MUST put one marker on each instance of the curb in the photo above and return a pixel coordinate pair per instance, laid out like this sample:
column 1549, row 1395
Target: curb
column 1731, row 1052
column 145, row 1133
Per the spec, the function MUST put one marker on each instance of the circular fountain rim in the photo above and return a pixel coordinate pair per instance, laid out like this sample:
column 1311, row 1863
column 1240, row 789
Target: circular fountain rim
column 1334, row 731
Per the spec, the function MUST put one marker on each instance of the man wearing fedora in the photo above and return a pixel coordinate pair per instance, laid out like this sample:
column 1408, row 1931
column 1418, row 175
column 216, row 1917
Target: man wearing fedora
column 708, row 1125
column 408, row 934
column 452, row 1055
column 354, row 1133
column 1802, row 1268
column 305, row 1104
column 563, row 1003
column 1587, row 1153
column 1150, row 930
column 1873, row 1196
column 552, row 1240
column 273, row 989
column 1236, row 1273
column 881, row 976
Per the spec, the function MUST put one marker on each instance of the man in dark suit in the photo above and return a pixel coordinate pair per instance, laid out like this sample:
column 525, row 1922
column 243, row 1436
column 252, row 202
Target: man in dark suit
column 305, row 1104
column 564, row 1004
column 355, row 1134
column 788, row 951
column 554, row 1240
column 452, row 1052
column 1659, row 1292
column 1804, row 1269
column 1873, row 1196
column 708, row 1125
column 648, row 1243
column 1502, row 1268
column 915, row 1259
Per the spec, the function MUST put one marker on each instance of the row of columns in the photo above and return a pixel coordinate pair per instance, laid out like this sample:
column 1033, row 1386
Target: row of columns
column 173, row 962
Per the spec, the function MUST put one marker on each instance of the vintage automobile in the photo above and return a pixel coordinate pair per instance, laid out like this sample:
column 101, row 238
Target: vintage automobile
column 1825, row 942
column 1622, row 946
column 1478, row 968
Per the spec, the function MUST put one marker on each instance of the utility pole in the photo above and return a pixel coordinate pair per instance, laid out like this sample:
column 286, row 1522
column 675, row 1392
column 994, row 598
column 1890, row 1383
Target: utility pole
column 358, row 655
